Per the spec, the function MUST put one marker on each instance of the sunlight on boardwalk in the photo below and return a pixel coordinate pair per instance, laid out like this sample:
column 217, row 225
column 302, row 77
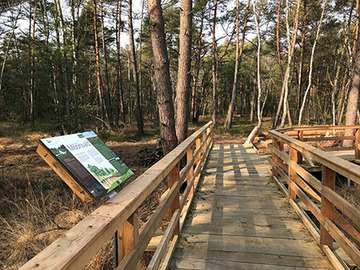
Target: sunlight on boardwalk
column 240, row 220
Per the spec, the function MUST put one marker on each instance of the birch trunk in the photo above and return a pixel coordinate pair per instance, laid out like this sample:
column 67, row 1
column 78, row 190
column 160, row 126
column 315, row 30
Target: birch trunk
column 311, row 62
column 291, row 49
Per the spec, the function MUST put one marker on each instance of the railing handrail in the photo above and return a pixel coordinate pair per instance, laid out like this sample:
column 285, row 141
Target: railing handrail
column 80, row 244
column 344, row 167
column 320, row 127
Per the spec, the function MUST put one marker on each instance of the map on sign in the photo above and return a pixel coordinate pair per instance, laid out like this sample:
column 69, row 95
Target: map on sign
column 94, row 165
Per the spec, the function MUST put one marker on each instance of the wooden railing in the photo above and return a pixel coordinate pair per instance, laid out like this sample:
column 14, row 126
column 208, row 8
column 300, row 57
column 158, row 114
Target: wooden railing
column 326, row 133
column 338, row 218
column 119, row 215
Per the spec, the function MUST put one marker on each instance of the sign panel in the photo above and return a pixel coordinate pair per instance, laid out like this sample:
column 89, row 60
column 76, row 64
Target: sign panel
column 93, row 165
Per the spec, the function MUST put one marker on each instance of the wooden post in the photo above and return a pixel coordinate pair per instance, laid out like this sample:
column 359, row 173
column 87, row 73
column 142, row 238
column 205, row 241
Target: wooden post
column 189, row 156
column 301, row 135
column 197, row 146
column 357, row 140
column 127, row 236
column 294, row 156
column 275, row 158
column 173, row 178
column 204, row 146
column 327, row 208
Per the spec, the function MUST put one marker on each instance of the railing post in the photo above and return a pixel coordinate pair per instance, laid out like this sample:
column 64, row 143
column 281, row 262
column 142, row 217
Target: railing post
column 189, row 156
column 127, row 236
column 275, row 158
column 327, row 208
column 357, row 141
column 294, row 156
column 197, row 146
column 203, row 138
column 173, row 179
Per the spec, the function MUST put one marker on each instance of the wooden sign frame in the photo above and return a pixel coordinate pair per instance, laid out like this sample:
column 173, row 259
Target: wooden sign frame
column 47, row 156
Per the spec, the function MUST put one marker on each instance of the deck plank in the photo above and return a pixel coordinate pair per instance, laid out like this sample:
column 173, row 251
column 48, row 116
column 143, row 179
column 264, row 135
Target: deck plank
column 240, row 220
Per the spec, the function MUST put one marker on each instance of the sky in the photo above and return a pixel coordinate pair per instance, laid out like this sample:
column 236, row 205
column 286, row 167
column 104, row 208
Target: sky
column 23, row 24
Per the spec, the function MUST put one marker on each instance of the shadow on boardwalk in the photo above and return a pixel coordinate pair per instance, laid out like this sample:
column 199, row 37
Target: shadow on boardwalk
column 240, row 220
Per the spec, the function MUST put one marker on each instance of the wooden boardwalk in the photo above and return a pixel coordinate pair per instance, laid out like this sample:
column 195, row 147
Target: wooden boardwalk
column 240, row 220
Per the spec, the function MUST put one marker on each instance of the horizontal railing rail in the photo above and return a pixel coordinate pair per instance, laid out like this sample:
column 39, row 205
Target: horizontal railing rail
column 339, row 219
column 119, row 215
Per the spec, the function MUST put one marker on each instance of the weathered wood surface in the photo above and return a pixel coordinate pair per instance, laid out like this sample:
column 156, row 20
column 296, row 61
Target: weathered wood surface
column 240, row 220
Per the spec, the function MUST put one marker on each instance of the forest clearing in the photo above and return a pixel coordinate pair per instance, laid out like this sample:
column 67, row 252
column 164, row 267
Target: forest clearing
column 216, row 106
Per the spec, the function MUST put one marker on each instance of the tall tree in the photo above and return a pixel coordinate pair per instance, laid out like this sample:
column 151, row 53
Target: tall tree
column 106, row 93
column 311, row 62
column 119, row 91
column 65, row 71
column 239, row 51
column 184, row 64
column 162, row 77
column 291, row 49
column 214, row 65
column 134, row 66
column 98, row 70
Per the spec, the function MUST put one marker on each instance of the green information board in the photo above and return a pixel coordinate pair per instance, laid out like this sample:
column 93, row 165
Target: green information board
column 91, row 163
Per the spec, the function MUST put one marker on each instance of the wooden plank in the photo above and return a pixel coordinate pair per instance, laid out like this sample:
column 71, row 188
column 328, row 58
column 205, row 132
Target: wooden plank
column 346, row 226
column 64, row 174
column 189, row 158
column 173, row 179
column 357, row 140
column 253, row 257
column 335, row 149
column 326, row 127
column 167, row 237
column 329, row 138
column 214, row 264
column 165, row 262
column 350, row 210
column 314, row 231
column 333, row 259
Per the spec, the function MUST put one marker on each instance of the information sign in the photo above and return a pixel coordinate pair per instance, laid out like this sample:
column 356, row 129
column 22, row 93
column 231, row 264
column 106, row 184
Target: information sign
column 91, row 163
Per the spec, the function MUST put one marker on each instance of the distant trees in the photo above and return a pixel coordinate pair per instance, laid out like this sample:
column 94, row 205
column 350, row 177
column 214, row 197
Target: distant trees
column 76, row 69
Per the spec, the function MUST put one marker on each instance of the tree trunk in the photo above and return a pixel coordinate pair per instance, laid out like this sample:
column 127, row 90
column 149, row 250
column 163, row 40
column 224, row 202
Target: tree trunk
column 162, row 77
column 311, row 62
column 239, row 50
column 214, row 65
column 106, row 93
column 98, row 71
column 184, row 64
column 64, row 62
column 32, row 63
column 291, row 49
column 139, row 119
column 196, row 71
column 119, row 91
column 301, row 62
column 259, row 110
column 75, row 61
